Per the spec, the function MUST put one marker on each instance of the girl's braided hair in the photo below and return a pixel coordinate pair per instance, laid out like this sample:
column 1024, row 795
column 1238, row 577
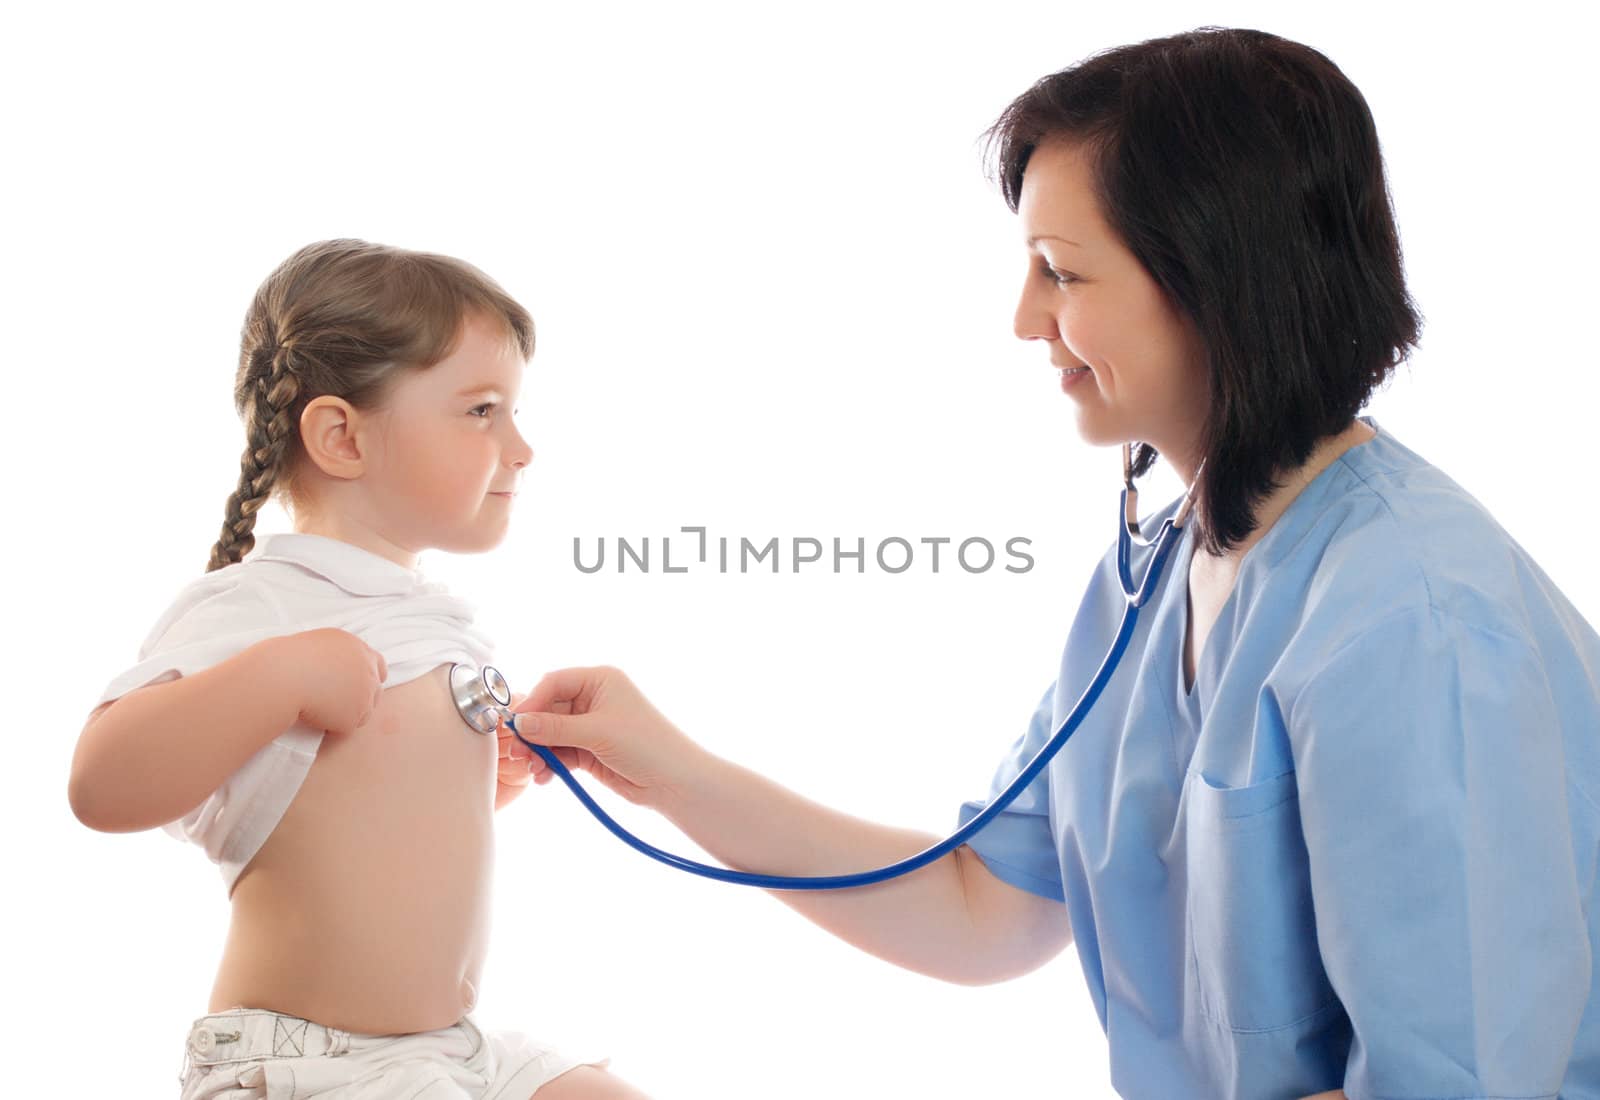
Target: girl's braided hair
column 343, row 318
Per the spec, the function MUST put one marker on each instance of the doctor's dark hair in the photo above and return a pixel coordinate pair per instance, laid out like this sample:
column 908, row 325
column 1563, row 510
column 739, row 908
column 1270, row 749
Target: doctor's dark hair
column 1242, row 170
column 344, row 318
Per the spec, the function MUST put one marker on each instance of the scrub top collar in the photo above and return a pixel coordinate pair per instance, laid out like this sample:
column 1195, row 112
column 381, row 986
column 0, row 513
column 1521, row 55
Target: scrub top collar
column 355, row 569
column 1303, row 510
column 1257, row 563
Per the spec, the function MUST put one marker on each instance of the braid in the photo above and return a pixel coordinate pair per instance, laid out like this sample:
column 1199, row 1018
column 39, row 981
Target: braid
column 271, row 426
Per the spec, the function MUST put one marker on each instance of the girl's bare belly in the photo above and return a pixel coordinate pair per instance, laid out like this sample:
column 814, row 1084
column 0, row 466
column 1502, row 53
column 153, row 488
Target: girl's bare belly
column 368, row 907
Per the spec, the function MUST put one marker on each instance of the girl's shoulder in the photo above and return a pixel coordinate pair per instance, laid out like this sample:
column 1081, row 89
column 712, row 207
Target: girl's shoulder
column 234, row 598
column 208, row 620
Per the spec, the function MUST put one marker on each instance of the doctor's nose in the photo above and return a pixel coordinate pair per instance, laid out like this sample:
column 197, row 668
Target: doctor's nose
column 1032, row 321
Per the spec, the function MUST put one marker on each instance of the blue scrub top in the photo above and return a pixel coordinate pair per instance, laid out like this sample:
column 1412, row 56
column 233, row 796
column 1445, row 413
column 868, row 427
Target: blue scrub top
column 1361, row 853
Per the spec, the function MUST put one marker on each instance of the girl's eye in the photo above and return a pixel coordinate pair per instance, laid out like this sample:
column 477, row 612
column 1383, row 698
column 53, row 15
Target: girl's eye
column 486, row 405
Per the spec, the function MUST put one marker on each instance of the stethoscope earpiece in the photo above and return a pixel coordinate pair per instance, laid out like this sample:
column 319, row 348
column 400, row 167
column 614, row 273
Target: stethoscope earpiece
column 1130, row 501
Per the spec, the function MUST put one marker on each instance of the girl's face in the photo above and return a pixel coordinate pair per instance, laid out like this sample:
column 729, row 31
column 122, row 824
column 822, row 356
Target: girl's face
column 435, row 467
column 448, row 447
column 1095, row 306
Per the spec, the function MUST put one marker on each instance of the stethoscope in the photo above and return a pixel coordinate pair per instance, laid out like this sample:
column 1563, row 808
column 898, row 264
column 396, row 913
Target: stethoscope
column 484, row 701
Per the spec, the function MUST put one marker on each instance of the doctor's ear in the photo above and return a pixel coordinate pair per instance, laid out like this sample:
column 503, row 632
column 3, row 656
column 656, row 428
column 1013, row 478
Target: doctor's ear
column 336, row 436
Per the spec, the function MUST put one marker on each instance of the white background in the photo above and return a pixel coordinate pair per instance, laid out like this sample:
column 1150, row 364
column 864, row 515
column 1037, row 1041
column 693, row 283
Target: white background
column 774, row 294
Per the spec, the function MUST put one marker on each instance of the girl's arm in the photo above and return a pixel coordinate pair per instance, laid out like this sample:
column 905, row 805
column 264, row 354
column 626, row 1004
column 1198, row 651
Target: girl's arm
column 156, row 753
column 952, row 919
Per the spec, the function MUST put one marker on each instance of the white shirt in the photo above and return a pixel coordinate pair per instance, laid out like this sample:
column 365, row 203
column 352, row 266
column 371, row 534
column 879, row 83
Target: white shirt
column 289, row 583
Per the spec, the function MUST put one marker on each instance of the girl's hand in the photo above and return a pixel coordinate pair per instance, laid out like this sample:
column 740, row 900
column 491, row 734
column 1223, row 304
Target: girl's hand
column 594, row 719
column 341, row 679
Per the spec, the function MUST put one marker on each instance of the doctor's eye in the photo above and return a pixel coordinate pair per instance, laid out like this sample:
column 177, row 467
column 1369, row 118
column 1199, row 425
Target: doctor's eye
column 1060, row 278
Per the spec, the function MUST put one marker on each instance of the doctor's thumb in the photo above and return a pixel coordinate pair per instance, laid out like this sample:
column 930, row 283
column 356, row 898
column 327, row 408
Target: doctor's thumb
column 544, row 728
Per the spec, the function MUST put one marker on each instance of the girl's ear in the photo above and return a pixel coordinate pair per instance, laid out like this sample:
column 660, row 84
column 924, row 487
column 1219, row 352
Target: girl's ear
column 330, row 433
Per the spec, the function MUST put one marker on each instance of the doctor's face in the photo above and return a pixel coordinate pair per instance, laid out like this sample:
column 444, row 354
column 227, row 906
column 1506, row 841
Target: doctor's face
column 1093, row 305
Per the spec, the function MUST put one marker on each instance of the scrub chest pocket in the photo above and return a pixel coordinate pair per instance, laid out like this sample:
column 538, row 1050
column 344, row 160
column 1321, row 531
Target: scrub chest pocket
column 1252, row 931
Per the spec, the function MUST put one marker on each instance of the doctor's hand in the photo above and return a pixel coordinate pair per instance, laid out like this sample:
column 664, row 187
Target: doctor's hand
column 596, row 720
column 513, row 772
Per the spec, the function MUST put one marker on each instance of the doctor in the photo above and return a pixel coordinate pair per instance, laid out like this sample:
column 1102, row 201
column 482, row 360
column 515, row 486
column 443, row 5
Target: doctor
column 1332, row 827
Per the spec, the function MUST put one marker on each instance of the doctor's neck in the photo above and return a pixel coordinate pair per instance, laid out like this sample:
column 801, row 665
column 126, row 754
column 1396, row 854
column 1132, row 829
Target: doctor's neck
column 1291, row 484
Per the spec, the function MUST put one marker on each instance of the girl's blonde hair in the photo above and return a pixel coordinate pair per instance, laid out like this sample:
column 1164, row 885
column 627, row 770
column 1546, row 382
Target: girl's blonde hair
column 343, row 318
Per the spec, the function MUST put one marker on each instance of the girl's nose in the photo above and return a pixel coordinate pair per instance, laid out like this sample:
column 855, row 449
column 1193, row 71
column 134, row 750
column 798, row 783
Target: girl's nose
column 522, row 454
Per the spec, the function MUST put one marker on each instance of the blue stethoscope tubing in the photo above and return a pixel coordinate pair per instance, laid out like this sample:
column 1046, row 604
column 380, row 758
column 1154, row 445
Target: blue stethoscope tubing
column 1127, row 533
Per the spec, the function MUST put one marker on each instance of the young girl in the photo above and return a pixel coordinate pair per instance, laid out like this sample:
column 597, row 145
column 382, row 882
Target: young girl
column 290, row 710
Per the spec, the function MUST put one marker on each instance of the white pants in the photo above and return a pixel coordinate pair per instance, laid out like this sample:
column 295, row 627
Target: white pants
column 260, row 1055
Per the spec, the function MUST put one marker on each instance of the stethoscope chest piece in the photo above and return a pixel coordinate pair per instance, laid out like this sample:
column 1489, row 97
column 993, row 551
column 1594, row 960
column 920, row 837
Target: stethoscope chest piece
column 480, row 696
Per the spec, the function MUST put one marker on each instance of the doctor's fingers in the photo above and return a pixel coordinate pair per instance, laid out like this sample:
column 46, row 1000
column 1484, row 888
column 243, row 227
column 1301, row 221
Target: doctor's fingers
column 572, row 759
column 512, row 748
column 520, row 760
column 513, row 771
column 576, row 690
column 593, row 731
